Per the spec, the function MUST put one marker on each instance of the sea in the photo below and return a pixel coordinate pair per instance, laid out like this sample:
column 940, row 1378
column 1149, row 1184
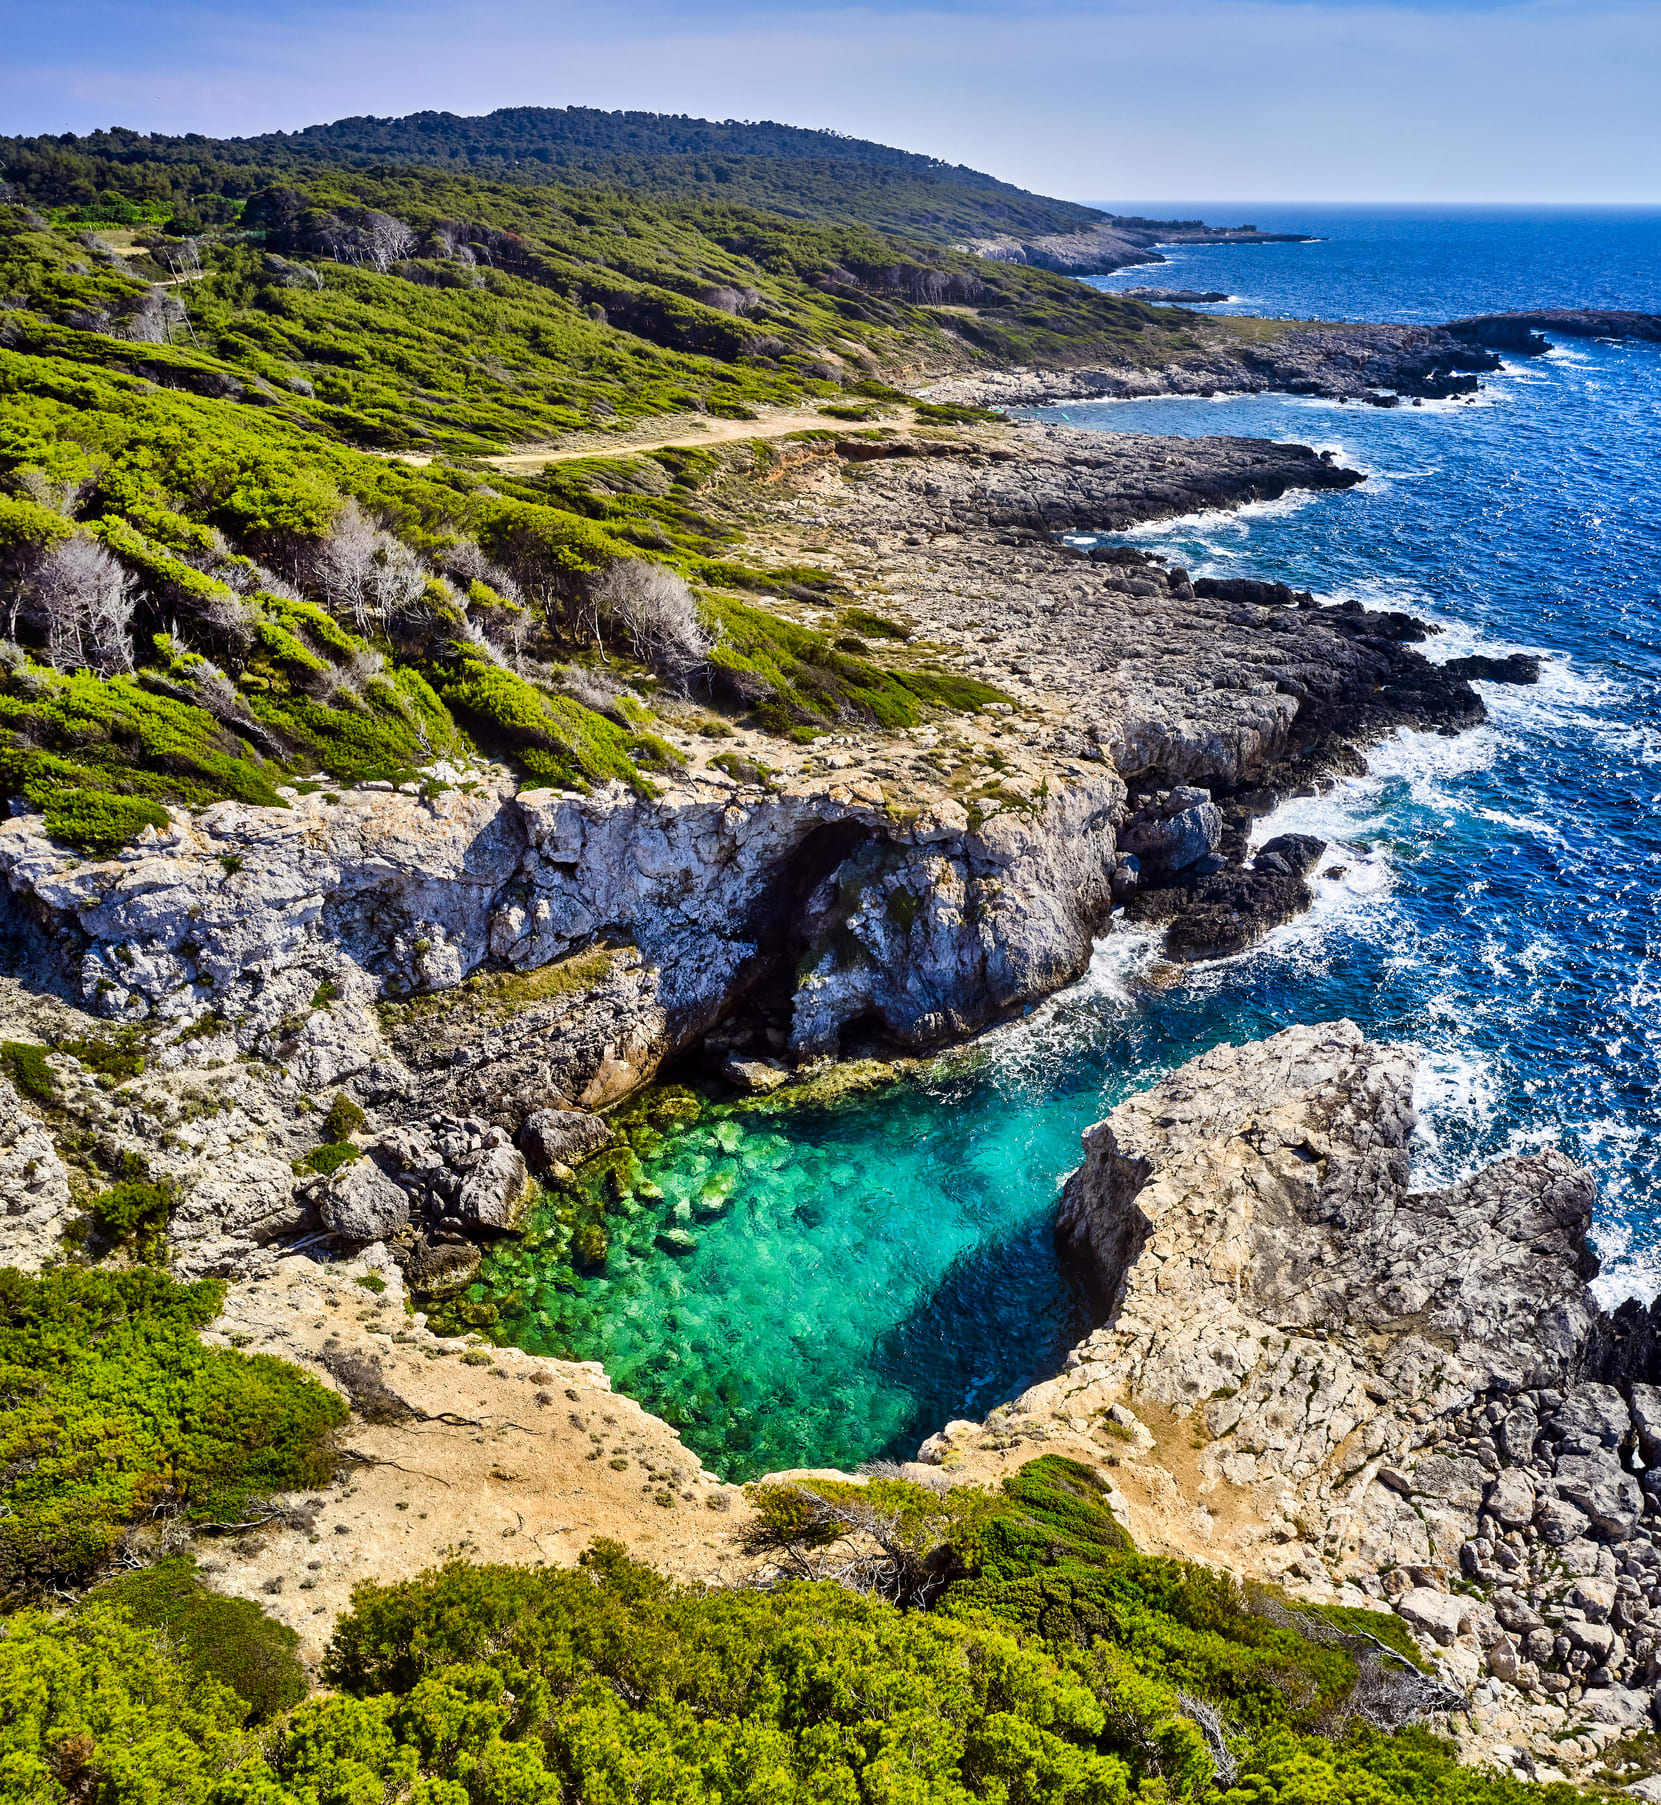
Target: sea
column 880, row 1268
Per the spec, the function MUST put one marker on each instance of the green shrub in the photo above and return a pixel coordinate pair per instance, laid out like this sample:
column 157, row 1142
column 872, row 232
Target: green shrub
column 873, row 626
column 96, row 822
column 329, row 1159
column 794, row 676
column 555, row 739
column 114, row 1056
column 344, row 1119
column 228, row 1641
column 27, row 1067
column 118, row 1410
column 1054, row 1510
column 135, row 1214
column 97, row 1708
column 624, row 1685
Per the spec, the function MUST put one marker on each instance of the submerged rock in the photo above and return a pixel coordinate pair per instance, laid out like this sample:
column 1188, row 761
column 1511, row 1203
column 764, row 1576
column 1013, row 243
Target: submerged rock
column 757, row 1076
column 441, row 1269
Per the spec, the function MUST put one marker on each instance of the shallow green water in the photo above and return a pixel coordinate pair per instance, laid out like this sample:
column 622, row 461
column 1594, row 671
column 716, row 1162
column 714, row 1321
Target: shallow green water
column 855, row 1276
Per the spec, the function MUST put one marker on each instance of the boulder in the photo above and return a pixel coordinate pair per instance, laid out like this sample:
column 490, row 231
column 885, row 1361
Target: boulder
column 1590, row 1417
column 1599, row 1487
column 1517, row 1435
column 360, row 1203
column 1519, row 667
column 1294, row 854
column 496, row 1191
column 439, row 1269
column 757, row 1076
column 1646, row 1419
column 1557, row 1522
column 1179, row 840
column 564, row 1137
column 1594, row 1597
column 1598, row 1640
column 1438, row 1614
column 1510, row 1499
column 1515, row 1615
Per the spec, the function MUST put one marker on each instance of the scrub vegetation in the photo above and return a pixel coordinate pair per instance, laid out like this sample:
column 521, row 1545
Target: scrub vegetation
column 215, row 579
column 249, row 538
column 122, row 178
column 489, row 1685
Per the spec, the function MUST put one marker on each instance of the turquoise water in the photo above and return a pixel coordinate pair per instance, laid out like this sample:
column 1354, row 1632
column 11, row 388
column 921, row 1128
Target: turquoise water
column 863, row 1274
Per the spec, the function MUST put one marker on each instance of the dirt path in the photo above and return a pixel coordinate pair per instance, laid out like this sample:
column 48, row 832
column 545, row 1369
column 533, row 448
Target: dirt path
column 698, row 429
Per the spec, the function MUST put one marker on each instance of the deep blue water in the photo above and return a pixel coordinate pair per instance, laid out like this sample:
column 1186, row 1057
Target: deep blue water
column 880, row 1269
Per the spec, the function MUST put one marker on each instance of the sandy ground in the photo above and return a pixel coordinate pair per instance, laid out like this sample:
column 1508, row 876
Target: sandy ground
column 501, row 1456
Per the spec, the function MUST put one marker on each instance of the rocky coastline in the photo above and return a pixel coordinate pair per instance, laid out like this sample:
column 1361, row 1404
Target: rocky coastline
column 1118, row 243
column 479, row 969
column 463, row 952
column 1378, row 365
column 1521, row 333
column 1312, row 1373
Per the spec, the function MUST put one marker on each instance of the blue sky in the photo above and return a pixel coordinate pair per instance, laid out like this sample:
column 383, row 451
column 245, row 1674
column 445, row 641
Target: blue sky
column 1503, row 100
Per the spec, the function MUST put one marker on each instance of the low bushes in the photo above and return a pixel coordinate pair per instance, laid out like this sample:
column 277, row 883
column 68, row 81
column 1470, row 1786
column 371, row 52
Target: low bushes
column 96, row 1707
column 554, row 738
column 793, row 676
column 118, row 1410
column 225, row 1641
column 608, row 1683
column 133, row 1214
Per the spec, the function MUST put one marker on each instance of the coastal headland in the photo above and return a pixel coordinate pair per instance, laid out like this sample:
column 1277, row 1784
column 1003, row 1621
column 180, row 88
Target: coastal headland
column 409, row 777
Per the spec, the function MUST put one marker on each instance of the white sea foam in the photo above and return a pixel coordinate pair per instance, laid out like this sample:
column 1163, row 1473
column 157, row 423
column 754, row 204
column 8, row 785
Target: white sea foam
column 1114, row 985
column 1237, row 521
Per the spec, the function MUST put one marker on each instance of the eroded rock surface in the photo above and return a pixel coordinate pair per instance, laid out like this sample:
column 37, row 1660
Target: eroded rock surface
column 1315, row 1374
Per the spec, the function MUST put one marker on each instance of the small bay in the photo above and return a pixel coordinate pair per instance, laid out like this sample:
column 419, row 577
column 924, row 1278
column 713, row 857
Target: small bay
column 861, row 1274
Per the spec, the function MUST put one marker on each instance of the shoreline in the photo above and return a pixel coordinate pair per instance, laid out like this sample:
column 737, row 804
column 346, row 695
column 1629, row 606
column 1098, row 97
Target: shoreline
column 922, row 517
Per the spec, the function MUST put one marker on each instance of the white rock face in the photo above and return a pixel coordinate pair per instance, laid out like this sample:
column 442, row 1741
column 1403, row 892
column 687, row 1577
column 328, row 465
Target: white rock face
column 275, row 931
column 1438, row 1614
column 1263, row 1263
column 360, row 1203
column 35, row 1204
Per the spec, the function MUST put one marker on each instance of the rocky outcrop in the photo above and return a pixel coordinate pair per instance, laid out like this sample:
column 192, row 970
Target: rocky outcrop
column 1313, row 1372
column 1347, row 362
column 1117, row 244
column 1520, row 333
column 1190, row 297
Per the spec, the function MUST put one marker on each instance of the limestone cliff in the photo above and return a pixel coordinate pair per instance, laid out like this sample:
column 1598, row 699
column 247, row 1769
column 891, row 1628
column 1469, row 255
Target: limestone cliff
column 1310, row 1372
column 460, row 954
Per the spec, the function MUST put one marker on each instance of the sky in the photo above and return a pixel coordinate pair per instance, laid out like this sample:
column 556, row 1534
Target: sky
column 1109, row 101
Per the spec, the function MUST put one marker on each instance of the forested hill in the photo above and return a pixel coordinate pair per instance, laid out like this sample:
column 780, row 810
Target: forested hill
column 801, row 173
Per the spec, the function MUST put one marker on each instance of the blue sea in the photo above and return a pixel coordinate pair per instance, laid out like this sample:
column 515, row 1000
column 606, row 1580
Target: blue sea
column 882, row 1268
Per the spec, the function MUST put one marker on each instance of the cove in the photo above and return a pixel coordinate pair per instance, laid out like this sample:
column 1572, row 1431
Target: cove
column 861, row 1274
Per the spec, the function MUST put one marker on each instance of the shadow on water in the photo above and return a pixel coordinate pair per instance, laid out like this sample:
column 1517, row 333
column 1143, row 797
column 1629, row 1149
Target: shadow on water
column 952, row 1352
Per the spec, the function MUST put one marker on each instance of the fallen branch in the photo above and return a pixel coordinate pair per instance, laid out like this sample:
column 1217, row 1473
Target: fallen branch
column 374, row 1460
